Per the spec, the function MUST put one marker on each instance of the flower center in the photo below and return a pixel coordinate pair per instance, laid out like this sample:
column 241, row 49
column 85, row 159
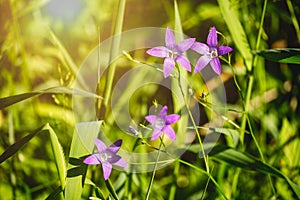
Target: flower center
column 173, row 54
column 214, row 53
column 160, row 122
column 105, row 156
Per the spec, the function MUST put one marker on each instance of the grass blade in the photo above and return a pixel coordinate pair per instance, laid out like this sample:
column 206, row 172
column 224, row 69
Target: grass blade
column 237, row 31
column 11, row 150
column 58, row 155
column 82, row 144
column 285, row 55
column 8, row 101
column 114, row 52
column 249, row 162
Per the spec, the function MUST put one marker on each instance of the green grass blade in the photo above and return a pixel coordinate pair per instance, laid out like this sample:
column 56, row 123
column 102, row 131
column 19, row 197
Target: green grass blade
column 111, row 189
column 14, row 148
column 285, row 55
column 56, row 194
column 58, row 155
column 82, row 144
column 8, row 101
column 249, row 162
column 68, row 59
column 114, row 52
column 237, row 31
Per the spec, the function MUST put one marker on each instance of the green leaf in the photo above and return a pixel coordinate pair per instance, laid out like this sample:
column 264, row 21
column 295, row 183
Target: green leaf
column 285, row 55
column 82, row 144
column 11, row 150
column 56, row 194
column 77, row 171
column 8, row 101
column 249, row 162
column 237, row 31
column 58, row 155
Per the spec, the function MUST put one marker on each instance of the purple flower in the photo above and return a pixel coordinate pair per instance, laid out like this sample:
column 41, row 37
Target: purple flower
column 106, row 156
column 173, row 52
column 162, row 123
column 210, row 52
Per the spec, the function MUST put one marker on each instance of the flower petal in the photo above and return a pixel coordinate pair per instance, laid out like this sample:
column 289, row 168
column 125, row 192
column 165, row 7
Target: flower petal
column 92, row 160
column 212, row 38
column 156, row 134
column 168, row 66
column 201, row 48
column 184, row 45
column 115, row 146
column 215, row 64
column 151, row 119
column 121, row 162
column 161, row 52
column 170, row 39
column 106, row 167
column 168, row 130
column 201, row 63
column 171, row 119
column 224, row 50
column 163, row 112
column 100, row 145
column 184, row 62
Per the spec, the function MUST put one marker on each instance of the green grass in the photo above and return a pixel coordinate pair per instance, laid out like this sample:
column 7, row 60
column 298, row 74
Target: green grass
column 49, row 115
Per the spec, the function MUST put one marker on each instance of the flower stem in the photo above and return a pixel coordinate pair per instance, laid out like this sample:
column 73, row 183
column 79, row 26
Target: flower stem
column 194, row 124
column 154, row 170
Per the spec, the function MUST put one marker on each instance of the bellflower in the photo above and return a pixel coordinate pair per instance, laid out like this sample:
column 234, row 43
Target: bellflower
column 106, row 156
column 162, row 123
column 173, row 52
column 210, row 52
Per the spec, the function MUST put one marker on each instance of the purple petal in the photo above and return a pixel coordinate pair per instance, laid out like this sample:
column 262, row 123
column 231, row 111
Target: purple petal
column 212, row 38
column 106, row 167
column 163, row 112
column 100, row 145
column 115, row 146
column 201, row 48
column 156, row 134
column 122, row 163
column 168, row 66
column 201, row 63
column 170, row 39
column 224, row 50
column 161, row 52
column 215, row 64
column 151, row 119
column 184, row 62
column 92, row 160
column 168, row 130
column 184, row 45
column 171, row 119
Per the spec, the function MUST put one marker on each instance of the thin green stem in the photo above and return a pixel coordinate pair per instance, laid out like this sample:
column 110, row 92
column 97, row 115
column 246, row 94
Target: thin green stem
column 194, row 124
column 154, row 171
column 294, row 18
column 175, row 175
column 261, row 154
column 206, row 173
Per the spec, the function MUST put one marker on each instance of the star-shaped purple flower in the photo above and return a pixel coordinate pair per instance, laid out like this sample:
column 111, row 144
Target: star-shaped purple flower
column 162, row 123
column 210, row 52
column 106, row 156
column 173, row 52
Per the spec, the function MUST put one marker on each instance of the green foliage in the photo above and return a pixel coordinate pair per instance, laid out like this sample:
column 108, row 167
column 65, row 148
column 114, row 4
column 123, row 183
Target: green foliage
column 42, row 146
